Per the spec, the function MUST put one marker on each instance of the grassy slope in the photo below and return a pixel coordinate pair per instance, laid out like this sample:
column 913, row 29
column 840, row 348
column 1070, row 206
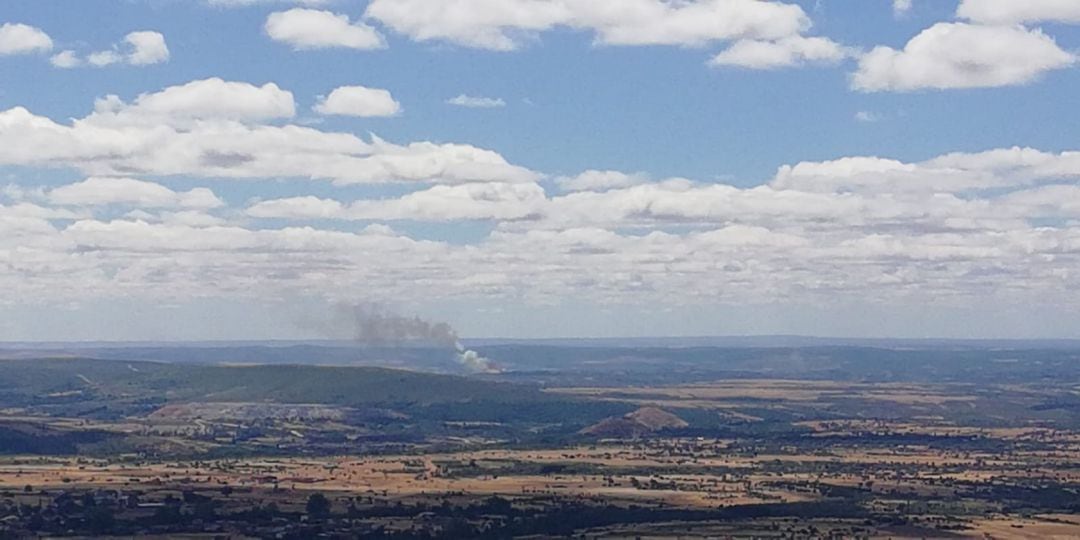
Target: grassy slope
column 37, row 379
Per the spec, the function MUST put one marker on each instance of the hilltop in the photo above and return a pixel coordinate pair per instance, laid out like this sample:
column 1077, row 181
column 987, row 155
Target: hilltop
column 644, row 421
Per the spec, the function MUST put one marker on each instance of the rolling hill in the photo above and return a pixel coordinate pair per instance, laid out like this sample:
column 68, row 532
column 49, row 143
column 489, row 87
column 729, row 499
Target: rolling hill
column 114, row 389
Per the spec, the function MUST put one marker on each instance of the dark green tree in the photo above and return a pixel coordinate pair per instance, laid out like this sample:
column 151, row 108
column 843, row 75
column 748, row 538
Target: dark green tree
column 318, row 505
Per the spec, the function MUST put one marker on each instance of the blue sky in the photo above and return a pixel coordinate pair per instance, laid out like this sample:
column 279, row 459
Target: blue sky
column 653, row 109
column 571, row 105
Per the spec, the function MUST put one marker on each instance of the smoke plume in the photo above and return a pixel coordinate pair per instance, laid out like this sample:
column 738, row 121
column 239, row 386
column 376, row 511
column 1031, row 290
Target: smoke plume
column 476, row 363
column 377, row 327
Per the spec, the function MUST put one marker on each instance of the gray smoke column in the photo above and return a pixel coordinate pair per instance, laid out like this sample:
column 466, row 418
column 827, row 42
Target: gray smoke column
column 376, row 327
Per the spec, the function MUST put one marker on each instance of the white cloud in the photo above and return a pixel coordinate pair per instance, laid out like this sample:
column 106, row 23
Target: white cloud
column 950, row 173
column 843, row 175
column 218, row 128
column 785, row 52
column 359, row 101
column 867, row 117
column 813, row 235
column 685, row 202
column 600, row 180
column 99, row 191
column 997, row 224
column 951, row 192
column 476, row 102
column 1019, row 11
column 959, row 55
column 314, row 29
column 19, row 193
column 487, row 201
column 1060, row 200
column 507, row 24
column 208, row 99
column 901, row 7
column 307, row 207
column 141, row 48
column 190, row 218
column 65, row 59
column 1014, row 166
column 147, row 48
column 104, row 58
column 17, row 38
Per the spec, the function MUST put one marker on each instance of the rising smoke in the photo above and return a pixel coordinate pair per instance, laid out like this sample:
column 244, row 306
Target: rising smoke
column 376, row 327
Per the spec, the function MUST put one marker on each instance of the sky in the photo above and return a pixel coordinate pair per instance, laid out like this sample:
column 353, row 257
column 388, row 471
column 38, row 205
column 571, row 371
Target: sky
column 235, row 169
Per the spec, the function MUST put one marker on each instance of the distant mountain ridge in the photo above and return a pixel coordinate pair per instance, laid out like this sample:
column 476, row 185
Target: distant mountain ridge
column 756, row 341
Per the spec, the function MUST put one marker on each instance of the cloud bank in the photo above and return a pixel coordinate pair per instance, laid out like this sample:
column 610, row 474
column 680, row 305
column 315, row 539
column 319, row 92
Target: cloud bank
column 1000, row 224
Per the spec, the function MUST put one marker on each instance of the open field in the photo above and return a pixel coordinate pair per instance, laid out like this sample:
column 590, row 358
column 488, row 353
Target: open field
column 935, row 487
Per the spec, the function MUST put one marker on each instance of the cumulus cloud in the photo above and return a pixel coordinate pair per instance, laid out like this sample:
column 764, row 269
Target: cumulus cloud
column 951, row 173
column 17, row 38
column 786, row 52
column 1000, row 223
column 954, row 192
column 208, row 99
column 599, row 180
column 220, row 129
column 141, row 48
column 147, row 48
column 996, row 224
column 99, row 191
column 960, row 55
column 1013, row 166
column 1014, row 12
column 65, row 59
column 358, row 101
column 487, row 201
column 102, row 58
column 680, row 201
column 316, row 29
column 507, row 24
column 307, row 207
column 476, row 102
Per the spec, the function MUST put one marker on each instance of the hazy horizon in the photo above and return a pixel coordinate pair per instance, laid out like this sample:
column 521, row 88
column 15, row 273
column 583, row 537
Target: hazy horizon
column 732, row 341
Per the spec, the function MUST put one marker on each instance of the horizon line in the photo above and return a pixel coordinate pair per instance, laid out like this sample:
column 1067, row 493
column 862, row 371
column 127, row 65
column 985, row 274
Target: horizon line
column 734, row 337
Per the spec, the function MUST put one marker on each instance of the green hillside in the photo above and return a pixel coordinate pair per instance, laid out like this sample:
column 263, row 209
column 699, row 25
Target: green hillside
column 63, row 379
